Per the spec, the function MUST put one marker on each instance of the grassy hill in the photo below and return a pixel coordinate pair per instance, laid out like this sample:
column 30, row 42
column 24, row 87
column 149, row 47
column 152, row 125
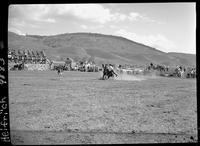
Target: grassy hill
column 103, row 48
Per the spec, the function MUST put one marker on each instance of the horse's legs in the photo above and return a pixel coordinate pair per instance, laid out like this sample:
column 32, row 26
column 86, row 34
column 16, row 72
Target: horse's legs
column 103, row 76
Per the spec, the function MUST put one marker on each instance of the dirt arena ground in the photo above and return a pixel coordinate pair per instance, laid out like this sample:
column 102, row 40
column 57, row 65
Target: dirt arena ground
column 78, row 108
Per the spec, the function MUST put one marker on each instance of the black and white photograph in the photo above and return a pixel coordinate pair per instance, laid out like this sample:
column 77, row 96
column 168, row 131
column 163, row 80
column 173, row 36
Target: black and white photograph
column 102, row 73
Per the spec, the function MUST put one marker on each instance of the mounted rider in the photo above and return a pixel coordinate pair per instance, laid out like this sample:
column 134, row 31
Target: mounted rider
column 108, row 71
column 111, row 69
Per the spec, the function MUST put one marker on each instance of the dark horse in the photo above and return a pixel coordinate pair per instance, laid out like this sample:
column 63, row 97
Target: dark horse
column 107, row 72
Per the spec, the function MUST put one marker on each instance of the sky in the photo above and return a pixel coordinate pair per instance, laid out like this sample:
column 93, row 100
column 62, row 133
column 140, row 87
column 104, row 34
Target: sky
column 169, row 27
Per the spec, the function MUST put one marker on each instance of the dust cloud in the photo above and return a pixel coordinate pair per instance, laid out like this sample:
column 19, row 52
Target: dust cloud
column 131, row 77
column 127, row 77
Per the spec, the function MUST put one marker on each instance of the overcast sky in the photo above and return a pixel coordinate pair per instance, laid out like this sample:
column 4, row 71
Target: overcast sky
column 169, row 27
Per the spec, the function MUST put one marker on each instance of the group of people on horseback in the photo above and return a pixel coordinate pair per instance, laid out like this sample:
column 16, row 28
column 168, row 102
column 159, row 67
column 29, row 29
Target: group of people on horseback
column 108, row 71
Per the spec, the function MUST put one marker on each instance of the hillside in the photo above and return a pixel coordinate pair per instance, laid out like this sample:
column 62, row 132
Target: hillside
column 103, row 48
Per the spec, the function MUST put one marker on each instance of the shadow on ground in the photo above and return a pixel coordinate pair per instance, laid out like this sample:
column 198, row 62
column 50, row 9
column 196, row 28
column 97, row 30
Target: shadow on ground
column 95, row 137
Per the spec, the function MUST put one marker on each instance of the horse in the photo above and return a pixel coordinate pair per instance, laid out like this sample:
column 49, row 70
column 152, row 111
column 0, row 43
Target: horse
column 191, row 73
column 108, row 71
